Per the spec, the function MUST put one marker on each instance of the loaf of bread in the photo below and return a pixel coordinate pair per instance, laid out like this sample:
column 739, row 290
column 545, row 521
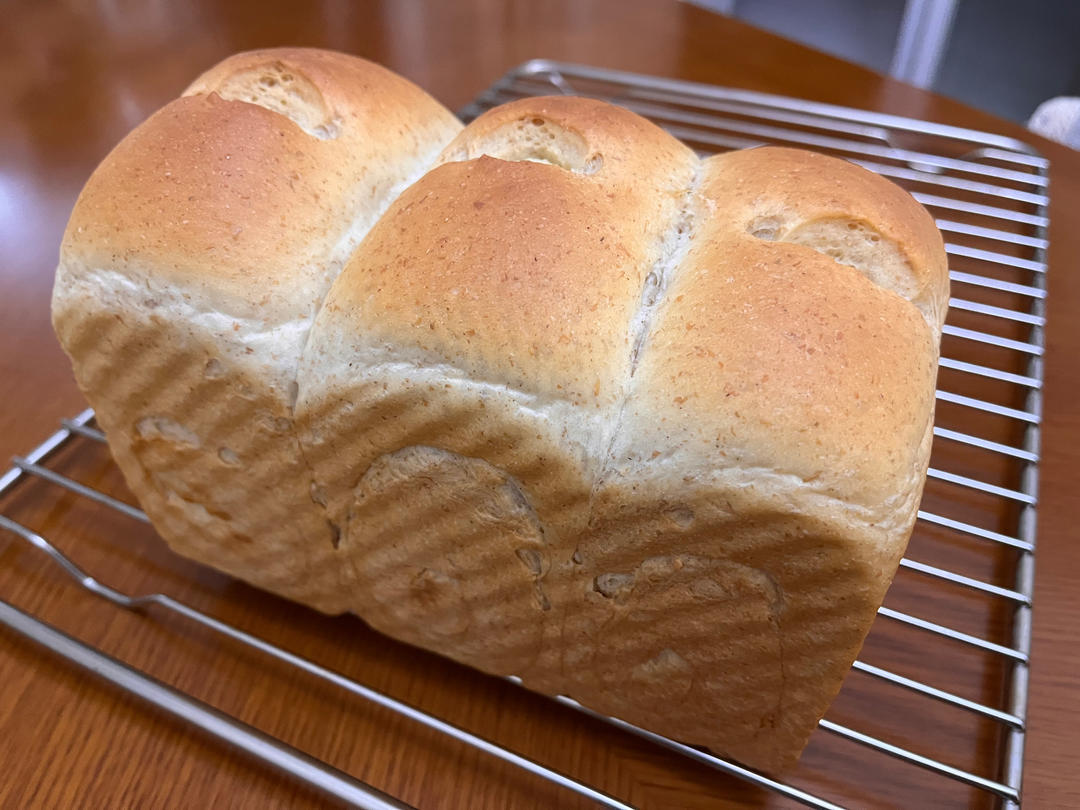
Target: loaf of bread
column 548, row 395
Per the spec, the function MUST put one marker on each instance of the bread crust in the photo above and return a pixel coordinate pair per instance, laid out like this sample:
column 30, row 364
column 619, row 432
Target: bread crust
column 579, row 407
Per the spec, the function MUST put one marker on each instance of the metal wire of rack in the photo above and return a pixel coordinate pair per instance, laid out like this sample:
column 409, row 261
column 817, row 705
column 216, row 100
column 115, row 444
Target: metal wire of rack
column 989, row 196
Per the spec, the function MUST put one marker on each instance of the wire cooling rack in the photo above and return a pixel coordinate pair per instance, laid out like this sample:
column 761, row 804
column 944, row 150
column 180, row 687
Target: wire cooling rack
column 936, row 702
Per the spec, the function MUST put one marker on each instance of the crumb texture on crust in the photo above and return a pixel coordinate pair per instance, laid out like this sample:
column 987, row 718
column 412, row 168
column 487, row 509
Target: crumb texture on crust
column 548, row 394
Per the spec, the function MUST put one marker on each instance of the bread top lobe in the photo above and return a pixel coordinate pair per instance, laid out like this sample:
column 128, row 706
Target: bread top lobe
column 520, row 260
column 850, row 214
column 799, row 337
column 246, row 192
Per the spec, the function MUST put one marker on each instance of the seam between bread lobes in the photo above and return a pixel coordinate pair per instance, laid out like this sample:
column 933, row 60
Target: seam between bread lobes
column 674, row 246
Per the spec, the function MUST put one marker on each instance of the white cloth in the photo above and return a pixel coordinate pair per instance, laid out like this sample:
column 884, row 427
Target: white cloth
column 1059, row 120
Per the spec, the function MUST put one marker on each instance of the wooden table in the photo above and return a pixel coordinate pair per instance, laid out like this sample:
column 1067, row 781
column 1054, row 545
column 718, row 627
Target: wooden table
column 73, row 81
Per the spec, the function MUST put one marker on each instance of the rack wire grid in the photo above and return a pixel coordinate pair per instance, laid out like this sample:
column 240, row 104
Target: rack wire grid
column 937, row 700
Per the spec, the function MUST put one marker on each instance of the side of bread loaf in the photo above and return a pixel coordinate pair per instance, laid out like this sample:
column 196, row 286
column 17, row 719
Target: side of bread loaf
column 191, row 270
column 579, row 407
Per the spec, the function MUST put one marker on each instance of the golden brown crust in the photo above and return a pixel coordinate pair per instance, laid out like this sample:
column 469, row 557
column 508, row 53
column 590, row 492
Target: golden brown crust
column 581, row 408
column 235, row 201
column 581, row 135
column 786, row 190
column 770, row 461
column 770, row 355
column 439, row 269
column 485, row 318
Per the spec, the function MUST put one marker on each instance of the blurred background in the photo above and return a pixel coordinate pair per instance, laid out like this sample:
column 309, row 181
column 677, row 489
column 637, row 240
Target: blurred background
column 1003, row 56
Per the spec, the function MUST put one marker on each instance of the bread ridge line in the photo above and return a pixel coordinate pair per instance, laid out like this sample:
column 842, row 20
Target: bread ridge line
column 337, row 265
column 677, row 238
column 357, row 232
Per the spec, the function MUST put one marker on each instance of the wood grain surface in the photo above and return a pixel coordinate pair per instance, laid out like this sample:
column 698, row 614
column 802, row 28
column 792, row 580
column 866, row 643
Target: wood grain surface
column 74, row 78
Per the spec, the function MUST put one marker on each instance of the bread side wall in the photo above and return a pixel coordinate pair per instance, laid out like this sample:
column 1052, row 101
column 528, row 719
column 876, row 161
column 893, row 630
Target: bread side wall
column 205, row 444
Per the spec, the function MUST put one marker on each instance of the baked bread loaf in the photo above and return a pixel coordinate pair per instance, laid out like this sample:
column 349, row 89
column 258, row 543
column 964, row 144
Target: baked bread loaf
column 548, row 395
